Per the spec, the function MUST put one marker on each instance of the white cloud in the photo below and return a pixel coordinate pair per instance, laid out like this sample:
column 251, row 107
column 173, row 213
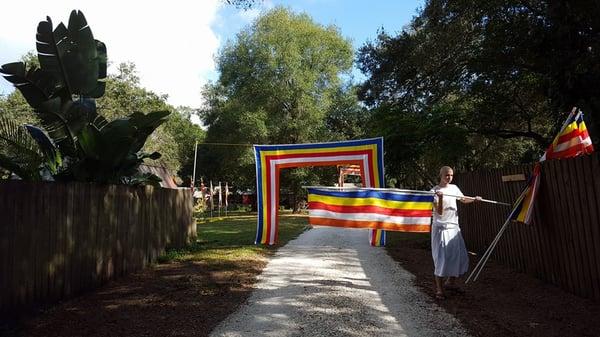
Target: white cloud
column 171, row 42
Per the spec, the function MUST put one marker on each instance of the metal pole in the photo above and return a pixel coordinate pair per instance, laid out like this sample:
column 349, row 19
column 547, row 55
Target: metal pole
column 400, row 190
column 194, row 172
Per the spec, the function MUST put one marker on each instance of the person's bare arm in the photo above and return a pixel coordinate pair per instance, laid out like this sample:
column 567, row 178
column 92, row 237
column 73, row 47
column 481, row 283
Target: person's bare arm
column 468, row 200
column 439, row 207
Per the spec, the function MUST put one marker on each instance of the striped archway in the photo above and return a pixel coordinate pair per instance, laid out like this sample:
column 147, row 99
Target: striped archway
column 270, row 159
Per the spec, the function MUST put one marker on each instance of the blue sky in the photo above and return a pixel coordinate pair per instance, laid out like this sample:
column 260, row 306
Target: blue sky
column 191, row 33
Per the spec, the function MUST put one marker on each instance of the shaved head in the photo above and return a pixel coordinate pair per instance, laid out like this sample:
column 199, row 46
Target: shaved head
column 445, row 169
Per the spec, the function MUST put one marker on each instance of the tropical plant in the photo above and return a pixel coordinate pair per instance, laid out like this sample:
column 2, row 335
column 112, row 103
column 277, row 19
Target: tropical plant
column 62, row 93
column 23, row 150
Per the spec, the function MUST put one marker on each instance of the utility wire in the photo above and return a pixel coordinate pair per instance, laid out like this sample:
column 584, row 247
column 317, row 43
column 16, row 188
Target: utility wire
column 226, row 144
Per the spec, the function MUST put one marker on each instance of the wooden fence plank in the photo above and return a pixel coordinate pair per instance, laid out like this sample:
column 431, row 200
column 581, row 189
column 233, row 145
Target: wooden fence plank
column 4, row 249
column 588, row 220
column 544, row 270
column 572, row 224
column 558, row 221
column 548, row 223
column 8, row 242
column 120, row 223
column 594, row 204
column 75, row 198
column 22, row 223
column 580, row 216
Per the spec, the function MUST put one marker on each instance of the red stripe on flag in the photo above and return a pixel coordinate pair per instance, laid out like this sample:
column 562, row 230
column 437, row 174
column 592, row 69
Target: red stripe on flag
column 568, row 136
column 572, row 151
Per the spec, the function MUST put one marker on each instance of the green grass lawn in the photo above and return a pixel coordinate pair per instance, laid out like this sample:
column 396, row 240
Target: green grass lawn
column 231, row 238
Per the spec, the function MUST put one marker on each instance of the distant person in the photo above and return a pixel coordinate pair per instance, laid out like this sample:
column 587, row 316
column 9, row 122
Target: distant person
column 448, row 249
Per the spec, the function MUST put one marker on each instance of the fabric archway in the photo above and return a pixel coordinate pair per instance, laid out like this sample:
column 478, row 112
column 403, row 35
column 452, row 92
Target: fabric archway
column 270, row 159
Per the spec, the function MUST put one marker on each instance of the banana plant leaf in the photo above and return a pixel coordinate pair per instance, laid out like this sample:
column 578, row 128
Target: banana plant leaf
column 35, row 85
column 55, row 121
column 53, row 159
column 145, row 124
column 111, row 154
column 143, row 179
column 72, row 56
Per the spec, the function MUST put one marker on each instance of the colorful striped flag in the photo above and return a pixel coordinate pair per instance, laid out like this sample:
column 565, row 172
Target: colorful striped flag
column 572, row 140
column 370, row 208
column 212, row 205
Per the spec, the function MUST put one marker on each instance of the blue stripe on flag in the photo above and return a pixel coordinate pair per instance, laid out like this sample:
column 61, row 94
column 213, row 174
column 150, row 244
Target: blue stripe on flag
column 334, row 145
column 395, row 196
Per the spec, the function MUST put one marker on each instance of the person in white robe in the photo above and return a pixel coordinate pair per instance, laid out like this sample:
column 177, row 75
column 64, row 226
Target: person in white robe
column 448, row 249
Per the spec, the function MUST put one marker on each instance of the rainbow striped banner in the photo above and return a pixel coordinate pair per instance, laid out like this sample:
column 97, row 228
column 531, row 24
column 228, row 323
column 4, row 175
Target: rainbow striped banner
column 370, row 208
column 270, row 159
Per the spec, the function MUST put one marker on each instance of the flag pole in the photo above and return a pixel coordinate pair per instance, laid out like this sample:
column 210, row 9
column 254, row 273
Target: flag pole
column 486, row 255
column 484, row 258
column 401, row 190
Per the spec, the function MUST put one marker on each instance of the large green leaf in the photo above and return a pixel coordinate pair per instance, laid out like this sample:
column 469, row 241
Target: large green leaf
column 145, row 124
column 54, row 116
column 98, row 91
column 53, row 159
column 35, row 85
column 80, row 55
column 48, row 55
column 90, row 142
column 73, row 56
column 118, row 138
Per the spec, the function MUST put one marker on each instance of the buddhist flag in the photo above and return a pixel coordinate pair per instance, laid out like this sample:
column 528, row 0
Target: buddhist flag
column 220, row 196
column 572, row 140
column 370, row 208
column 211, row 196
column 523, row 209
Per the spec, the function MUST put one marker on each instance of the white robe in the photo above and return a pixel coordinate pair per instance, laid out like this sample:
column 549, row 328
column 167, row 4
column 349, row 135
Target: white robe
column 447, row 245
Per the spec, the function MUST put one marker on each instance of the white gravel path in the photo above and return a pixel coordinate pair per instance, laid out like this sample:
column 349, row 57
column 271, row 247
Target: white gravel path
column 330, row 282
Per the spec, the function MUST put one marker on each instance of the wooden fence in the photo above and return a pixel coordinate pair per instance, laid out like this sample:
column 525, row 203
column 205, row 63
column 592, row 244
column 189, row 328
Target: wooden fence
column 562, row 246
column 58, row 240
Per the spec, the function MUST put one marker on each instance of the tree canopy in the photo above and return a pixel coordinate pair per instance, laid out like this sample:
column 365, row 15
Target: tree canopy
column 481, row 83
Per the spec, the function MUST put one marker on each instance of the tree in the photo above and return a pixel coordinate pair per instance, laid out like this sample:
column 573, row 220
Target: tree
column 184, row 134
column 497, row 76
column 243, row 4
column 279, row 82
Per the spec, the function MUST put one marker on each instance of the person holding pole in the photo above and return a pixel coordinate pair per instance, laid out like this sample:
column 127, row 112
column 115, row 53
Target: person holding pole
column 448, row 249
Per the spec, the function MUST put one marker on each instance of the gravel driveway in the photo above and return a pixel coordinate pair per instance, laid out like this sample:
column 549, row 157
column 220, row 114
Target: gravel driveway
column 330, row 282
